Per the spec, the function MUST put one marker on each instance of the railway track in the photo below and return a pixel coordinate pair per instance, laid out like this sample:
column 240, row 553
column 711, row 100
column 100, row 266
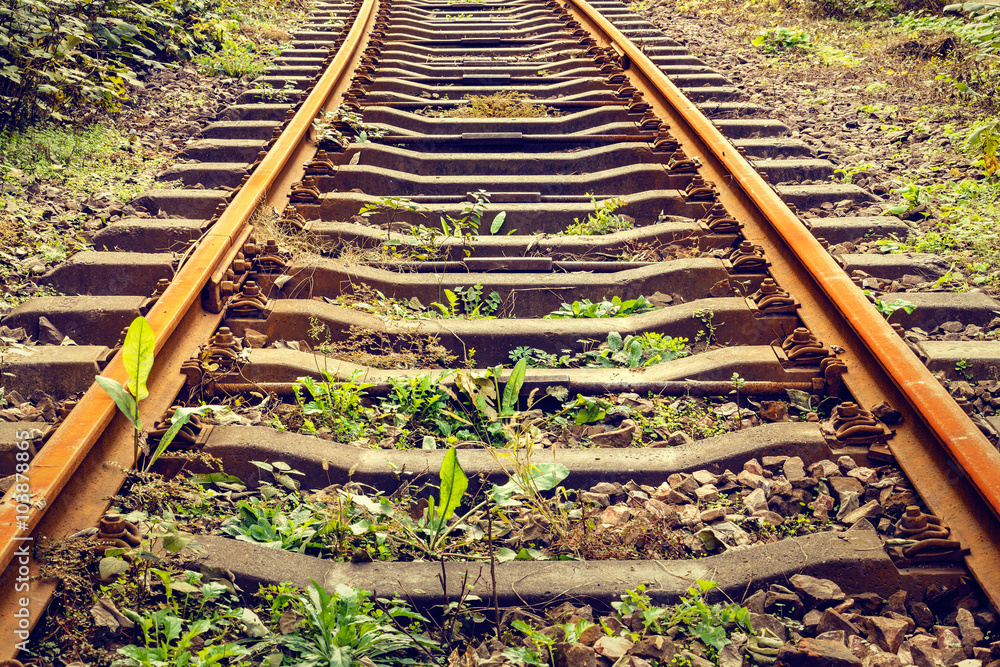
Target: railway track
column 429, row 212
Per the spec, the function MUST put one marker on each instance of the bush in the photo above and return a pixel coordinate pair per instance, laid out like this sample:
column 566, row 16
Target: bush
column 60, row 54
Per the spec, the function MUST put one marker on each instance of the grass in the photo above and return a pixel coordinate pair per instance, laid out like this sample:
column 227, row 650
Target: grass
column 503, row 104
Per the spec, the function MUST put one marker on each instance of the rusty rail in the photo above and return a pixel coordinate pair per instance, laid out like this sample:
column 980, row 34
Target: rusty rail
column 57, row 463
column 835, row 298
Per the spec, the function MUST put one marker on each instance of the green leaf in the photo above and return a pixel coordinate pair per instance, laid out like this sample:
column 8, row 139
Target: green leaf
column 453, row 485
column 137, row 355
column 122, row 399
column 112, row 566
column 615, row 341
column 180, row 417
column 513, row 388
column 498, row 222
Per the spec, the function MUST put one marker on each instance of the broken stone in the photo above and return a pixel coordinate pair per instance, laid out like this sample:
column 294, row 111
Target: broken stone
column 755, row 500
column 575, row 655
column 886, row 633
column 821, row 592
column 869, row 510
column 707, row 493
column 817, row 653
column 612, row 648
column 831, row 621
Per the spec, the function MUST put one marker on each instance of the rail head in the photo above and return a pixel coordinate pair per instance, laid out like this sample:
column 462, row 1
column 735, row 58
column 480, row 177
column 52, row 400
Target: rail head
column 58, row 460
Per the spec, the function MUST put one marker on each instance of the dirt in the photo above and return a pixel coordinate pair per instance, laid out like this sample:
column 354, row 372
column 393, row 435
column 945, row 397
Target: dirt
column 158, row 122
column 904, row 130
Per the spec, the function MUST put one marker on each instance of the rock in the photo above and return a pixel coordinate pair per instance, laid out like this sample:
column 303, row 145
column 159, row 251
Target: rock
column 823, row 468
column 714, row 514
column 254, row 339
column 769, row 622
column 841, row 485
column 886, row 633
column 705, row 477
column 615, row 515
column 780, row 600
column 846, row 463
column 881, row 660
column 609, row 488
column 601, row 499
column 612, row 648
column 591, row 635
column 831, row 621
column 751, row 480
column 816, row 653
column 811, row 620
column 869, row 510
column 921, row 614
column 48, row 333
column 575, row 655
column 863, row 475
column 656, row 647
column 755, row 500
column 897, row 602
column 619, row 437
column 821, row 592
column 793, row 468
column 946, row 637
column 755, row 604
column 753, row 467
column 679, row 439
column 967, row 630
column 838, row 636
column 707, row 493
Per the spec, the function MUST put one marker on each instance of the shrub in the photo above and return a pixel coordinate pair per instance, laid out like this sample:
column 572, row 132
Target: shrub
column 60, row 54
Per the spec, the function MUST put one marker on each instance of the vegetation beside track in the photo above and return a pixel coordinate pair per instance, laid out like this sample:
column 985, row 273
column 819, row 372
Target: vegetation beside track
column 901, row 94
column 83, row 134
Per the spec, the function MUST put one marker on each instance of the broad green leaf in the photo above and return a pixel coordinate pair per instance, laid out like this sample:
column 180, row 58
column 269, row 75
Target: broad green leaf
column 615, row 341
column 498, row 222
column 513, row 388
column 137, row 354
column 121, row 398
column 453, row 485
column 180, row 417
column 111, row 566
column 634, row 353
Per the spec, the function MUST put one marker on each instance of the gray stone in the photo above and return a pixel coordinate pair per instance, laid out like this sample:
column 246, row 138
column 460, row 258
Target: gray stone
column 831, row 621
column 612, row 648
column 822, row 592
column 886, row 633
column 575, row 655
column 817, row 653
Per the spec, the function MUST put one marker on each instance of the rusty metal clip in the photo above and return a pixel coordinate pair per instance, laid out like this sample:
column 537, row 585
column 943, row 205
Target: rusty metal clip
column 770, row 298
column 680, row 163
column 291, row 218
column 161, row 286
column 700, row 190
column 664, row 141
column 850, row 424
column 249, row 303
column 718, row 221
column 192, row 435
column 113, row 526
column 271, row 260
column 802, row 348
column 305, row 191
column 932, row 537
column 748, row 258
column 321, row 164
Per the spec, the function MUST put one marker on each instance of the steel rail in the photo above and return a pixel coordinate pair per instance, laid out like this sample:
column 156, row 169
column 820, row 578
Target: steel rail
column 58, row 461
column 953, row 430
